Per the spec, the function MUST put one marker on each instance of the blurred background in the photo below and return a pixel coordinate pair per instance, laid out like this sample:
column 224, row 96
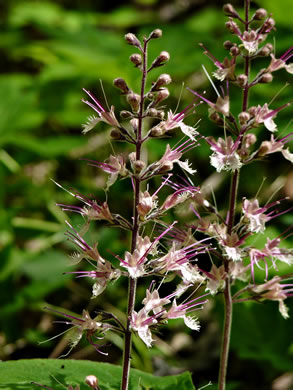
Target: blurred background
column 49, row 51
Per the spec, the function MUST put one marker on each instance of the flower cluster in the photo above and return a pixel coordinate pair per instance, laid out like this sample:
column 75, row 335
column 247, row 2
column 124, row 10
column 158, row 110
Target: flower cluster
column 162, row 250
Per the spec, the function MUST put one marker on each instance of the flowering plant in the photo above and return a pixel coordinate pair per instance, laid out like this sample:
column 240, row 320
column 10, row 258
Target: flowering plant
column 162, row 250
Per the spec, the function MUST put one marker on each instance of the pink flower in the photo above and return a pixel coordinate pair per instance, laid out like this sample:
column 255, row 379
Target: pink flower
column 275, row 291
column 264, row 115
column 114, row 166
column 271, row 252
column 84, row 324
column 225, row 156
column 141, row 323
column 103, row 274
column 225, row 69
column 222, row 104
column 280, row 63
column 172, row 156
column 256, row 216
column 103, row 115
column 85, row 251
column 276, row 145
column 182, row 310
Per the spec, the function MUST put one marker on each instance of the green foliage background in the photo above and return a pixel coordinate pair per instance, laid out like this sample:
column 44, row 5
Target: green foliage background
column 50, row 50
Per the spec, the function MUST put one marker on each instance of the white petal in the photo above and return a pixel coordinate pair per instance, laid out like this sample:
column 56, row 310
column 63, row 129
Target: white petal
column 286, row 153
column 91, row 123
column 191, row 322
column 283, row 310
column 289, row 68
column 188, row 130
column 185, row 165
column 270, row 125
column 98, row 288
column 146, row 335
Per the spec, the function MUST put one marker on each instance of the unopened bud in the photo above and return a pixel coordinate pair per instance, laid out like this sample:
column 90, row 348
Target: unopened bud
column 156, row 131
column 228, row 44
column 152, row 112
column 92, row 381
column 134, row 124
column 266, row 50
column 161, row 114
column 138, row 166
column 134, row 100
column 121, row 84
column 131, row 39
column 242, row 80
column 260, row 14
column 126, row 114
column 163, row 79
column 167, row 166
column 268, row 25
column 229, row 10
column 243, row 117
column 264, row 148
column 136, row 59
column 215, row 117
column 115, row 134
column 231, row 26
column 252, row 110
column 162, row 95
column 266, row 78
column 249, row 139
column 234, row 51
column 161, row 59
column 157, row 33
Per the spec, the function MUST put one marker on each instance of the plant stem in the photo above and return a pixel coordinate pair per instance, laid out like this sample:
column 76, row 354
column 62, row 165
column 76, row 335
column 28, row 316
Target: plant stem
column 132, row 282
column 226, row 333
column 228, row 302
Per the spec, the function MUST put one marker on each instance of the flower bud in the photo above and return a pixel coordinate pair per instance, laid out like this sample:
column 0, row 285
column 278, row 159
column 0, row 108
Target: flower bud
column 215, row 117
column 242, row 80
column 229, row 10
column 134, row 124
column 157, row 33
column 134, row 101
column 163, row 79
column 131, row 39
column 115, row 134
column 152, row 112
column 136, row 59
column 264, row 148
column 266, row 78
column 138, row 166
column 252, row 111
column 92, row 381
column 243, row 117
column 121, row 84
column 234, row 51
column 231, row 26
column 249, row 139
column 166, row 166
column 156, row 131
column 162, row 95
column 228, row 44
column 266, row 50
column 163, row 57
column 126, row 114
column 268, row 25
column 260, row 14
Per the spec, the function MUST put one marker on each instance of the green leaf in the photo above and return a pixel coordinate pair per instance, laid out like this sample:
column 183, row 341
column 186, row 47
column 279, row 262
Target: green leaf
column 20, row 374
